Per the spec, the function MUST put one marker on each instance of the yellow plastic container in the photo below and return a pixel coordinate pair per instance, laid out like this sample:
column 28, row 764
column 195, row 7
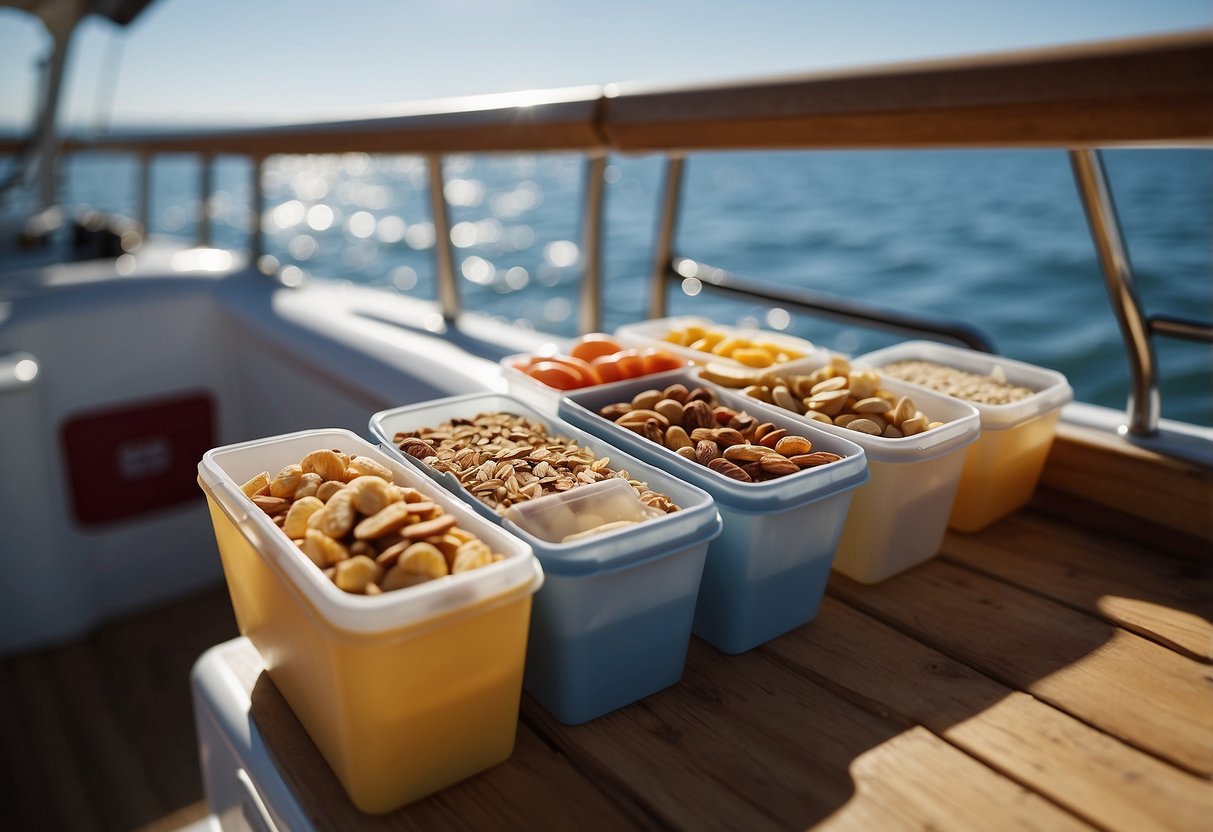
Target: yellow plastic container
column 403, row 693
column 1003, row 466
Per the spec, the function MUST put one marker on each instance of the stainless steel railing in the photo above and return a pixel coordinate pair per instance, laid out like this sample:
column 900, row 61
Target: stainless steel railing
column 1140, row 92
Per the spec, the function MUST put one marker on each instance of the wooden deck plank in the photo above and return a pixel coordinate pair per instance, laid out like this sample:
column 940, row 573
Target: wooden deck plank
column 918, row 775
column 144, row 665
column 1168, row 600
column 1096, row 776
column 62, row 799
column 1079, row 766
column 22, row 785
column 1145, row 694
column 117, row 781
column 741, row 743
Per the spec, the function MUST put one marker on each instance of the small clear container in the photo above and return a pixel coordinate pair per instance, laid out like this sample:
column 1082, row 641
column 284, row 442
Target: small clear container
column 766, row 573
column 406, row 692
column 583, row 512
column 613, row 621
column 1003, row 466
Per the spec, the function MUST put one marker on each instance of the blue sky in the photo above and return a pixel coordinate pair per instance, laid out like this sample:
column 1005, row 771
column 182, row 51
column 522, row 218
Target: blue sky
column 234, row 61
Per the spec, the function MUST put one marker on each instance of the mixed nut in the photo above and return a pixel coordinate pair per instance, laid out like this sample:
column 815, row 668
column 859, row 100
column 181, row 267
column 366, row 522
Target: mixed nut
column 367, row 534
column 503, row 459
column 835, row 394
column 694, row 425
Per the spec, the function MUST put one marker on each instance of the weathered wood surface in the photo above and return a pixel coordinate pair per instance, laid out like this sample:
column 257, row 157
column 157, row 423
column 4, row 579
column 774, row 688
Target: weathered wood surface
column 1039, row 674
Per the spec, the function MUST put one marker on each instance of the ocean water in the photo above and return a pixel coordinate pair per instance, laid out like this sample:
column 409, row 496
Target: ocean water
column 994, row 238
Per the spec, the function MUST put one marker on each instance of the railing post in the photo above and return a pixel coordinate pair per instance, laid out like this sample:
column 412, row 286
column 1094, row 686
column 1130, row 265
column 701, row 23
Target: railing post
column 206, row 184
column 1144, row 404
column 591, row 243
column 444, row 259
column 144, row 208
column 257, row 206
column 671, row 197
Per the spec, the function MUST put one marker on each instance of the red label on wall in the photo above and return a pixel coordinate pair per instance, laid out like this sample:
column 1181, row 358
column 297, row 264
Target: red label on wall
column 126, row 460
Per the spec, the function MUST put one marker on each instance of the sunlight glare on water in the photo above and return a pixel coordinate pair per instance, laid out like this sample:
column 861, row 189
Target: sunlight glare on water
column 996, row 239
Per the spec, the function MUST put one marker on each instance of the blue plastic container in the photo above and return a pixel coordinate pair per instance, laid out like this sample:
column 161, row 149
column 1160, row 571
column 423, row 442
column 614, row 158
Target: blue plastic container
column 613, row 620
column 766, row 573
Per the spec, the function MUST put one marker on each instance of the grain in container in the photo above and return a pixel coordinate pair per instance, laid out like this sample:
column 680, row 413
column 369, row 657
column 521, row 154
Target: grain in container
column 766, row 573
column 405, row 692
column 1003, row 466
column 613, row 621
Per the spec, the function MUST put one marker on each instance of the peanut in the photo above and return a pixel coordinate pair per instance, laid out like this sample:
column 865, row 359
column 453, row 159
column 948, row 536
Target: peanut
column 328, row 464
column 357, row 532
column 355, row 574
column 297, row 516
column 309, row 484
column 364, row 466
column 838, row 395
column 286, row 481
column 255, row 485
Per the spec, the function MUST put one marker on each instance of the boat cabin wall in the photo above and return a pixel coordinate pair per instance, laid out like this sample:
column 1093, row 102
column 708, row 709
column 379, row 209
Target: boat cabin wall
column 136, row 378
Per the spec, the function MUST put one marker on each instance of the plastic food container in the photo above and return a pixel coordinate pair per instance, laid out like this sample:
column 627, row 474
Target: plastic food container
column 898, row 519
column 613, row 621
column 766, row 573
column 403, row 693
column 1003, row 466
column 651, row 333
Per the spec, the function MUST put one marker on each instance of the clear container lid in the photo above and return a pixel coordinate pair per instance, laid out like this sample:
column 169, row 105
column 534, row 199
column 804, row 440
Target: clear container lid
column 581, row 513
column 1050, row 388
column 222, row 470
column 696, row 520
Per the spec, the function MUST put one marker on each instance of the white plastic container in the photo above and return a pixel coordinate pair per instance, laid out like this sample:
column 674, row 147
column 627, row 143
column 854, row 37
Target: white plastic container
column 403, row 693
column 898, row 519
column 651, row 333
column 613, row 621
column 1003, row 466
column 766, row 573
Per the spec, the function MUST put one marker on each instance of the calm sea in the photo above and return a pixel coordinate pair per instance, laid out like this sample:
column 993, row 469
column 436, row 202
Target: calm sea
column 994, row 238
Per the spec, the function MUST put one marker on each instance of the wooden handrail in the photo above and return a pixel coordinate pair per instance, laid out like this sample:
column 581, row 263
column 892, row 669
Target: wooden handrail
column 1147, row 90
column 1138, row 91
column 536, row 120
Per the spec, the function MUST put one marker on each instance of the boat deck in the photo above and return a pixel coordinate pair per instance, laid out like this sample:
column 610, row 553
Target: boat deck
column 1052, row 671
